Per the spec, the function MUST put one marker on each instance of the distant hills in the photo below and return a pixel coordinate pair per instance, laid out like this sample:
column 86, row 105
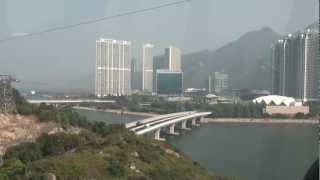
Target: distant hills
column 246, row 60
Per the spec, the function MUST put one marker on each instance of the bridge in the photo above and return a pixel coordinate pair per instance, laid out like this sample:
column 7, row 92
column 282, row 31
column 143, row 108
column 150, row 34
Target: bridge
column 168, row 121
column 69, row 101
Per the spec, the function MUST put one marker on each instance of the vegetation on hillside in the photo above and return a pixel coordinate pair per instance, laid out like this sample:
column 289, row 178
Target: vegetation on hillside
column 119, row 155
column 98, row 151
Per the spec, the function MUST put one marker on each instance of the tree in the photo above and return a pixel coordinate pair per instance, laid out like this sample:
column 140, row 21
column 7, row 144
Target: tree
column 12, row 168
column 63, row 120
column 58, row 143
column 26, row 152
column 115, row 169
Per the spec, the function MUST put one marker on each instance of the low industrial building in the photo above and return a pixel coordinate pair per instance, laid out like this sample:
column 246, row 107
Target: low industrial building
column 214, row 99
column 287, row 110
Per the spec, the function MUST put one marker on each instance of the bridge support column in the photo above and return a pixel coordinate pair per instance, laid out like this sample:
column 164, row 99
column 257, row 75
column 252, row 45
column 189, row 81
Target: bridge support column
column 184, row 125
column 194, row 122
column 202, row 120
column 157, row 135
column 171, row 130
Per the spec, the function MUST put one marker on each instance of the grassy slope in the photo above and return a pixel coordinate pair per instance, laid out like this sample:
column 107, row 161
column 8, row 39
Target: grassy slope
column 99, row 152
column 93, row 161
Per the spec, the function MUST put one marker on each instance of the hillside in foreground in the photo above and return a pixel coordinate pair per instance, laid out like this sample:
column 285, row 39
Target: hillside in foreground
column 94, row 151
column 119, row 155
column 15, row 129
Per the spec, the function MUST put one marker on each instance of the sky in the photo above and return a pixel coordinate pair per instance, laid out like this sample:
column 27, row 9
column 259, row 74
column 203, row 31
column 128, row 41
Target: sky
column 69, row 55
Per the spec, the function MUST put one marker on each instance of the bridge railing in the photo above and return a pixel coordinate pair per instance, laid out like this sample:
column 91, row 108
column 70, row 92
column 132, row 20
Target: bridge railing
column 170, row 122
column 148, row 120
column 157, row 121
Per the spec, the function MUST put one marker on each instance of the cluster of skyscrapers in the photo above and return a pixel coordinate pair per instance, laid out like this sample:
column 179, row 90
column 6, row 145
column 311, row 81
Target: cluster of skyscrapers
column 116, row 71
column 296, row 66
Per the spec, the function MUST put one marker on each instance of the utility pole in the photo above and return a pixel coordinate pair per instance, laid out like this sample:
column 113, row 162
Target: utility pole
column 7, row 104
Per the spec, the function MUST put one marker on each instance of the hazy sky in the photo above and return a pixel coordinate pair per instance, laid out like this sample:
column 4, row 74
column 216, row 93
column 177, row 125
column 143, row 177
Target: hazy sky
column 194, row 26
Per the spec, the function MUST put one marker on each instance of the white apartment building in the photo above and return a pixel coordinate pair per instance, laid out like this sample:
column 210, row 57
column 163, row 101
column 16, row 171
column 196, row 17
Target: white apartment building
column 113, row 68
column 147, row 67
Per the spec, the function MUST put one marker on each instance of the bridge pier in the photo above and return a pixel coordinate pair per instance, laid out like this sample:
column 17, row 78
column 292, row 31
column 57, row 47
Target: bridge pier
column 169, row 122
column 202, row 120
column 184, row 125
column 157, row 135
column 194, row 122
column 171, row 130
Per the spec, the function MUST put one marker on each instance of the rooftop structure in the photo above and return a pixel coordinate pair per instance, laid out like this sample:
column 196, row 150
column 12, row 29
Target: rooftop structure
column 275, row 100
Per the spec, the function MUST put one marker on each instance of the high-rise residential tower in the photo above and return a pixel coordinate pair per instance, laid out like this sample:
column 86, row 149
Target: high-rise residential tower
column 113, row 68
column 135, row 85
column 296, row 66
column 173, row 58
column 311, row 66
column 147, row 67
column 278, row 67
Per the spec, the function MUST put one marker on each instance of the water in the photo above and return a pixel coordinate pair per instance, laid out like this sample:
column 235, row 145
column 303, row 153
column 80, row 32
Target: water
column 252, row 151
column 108, row 117
column 246, row 151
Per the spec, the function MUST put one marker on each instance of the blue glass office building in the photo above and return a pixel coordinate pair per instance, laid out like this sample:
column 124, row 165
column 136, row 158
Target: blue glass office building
column 169, row 82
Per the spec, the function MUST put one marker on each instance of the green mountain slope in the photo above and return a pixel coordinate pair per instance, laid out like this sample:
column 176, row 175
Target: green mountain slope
column 246, row 60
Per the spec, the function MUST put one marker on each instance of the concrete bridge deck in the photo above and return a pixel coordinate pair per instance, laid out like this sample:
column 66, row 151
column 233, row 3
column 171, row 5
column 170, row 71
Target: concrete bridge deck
column 155, row 124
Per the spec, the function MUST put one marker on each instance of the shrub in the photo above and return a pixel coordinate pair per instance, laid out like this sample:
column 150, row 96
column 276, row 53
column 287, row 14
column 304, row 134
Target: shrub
column 58, row 143
column 26, row 152
column 115, row 169
column 12, row 168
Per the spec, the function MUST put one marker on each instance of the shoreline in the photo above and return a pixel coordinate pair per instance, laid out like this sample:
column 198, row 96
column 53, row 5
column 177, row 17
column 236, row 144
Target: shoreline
column 261, row 121
column 211, row 120
column 117, row 111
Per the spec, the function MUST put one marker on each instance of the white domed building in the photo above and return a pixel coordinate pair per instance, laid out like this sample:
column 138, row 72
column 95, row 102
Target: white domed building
column 275, row 100
column 281, row 105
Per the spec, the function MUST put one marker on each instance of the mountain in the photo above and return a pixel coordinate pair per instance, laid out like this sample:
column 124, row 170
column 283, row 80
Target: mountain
column 246, row 60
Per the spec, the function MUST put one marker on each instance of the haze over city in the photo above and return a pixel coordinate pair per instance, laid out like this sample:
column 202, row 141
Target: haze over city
column 198, row 25
column 159, row 89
